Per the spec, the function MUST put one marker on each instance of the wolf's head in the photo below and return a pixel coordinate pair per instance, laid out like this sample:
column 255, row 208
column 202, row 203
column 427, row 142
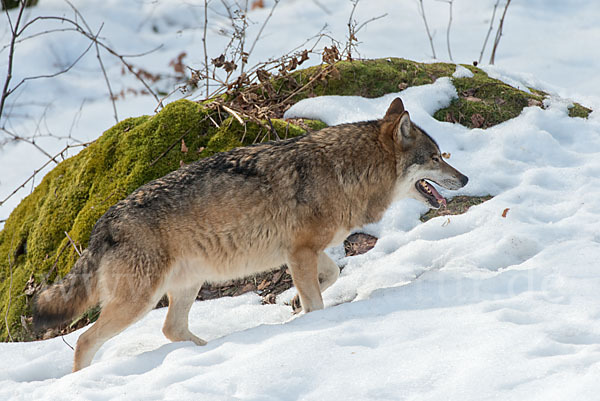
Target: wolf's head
column 418, row 159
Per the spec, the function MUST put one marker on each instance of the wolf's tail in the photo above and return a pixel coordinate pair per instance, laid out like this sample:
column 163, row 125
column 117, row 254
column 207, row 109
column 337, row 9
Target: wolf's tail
column 71, row 297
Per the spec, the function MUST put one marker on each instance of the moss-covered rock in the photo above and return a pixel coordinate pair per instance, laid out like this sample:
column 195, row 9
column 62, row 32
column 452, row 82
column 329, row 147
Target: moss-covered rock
column 482, row 101
column 578, row 110
column 367, row 78
column 456, row 205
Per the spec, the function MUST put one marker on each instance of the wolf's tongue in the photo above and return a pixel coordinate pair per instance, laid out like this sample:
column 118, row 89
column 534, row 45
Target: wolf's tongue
column 437, row 195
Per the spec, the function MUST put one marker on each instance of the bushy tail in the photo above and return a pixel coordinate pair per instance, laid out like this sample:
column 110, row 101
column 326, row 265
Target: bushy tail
column 69, row 298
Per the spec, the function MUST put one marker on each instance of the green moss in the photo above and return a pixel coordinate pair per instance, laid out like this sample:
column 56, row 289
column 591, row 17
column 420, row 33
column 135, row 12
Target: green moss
column 483, row 101
column 79, row 190
column 368, row 78
column 578, row 110
column 456, row 205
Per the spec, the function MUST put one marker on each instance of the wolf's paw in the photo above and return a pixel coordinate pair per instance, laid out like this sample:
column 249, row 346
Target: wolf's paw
column 296, row 305
column 198, row 340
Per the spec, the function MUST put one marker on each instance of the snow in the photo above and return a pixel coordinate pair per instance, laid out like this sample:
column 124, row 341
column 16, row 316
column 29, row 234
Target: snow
column 462, row 72
column 471, row 307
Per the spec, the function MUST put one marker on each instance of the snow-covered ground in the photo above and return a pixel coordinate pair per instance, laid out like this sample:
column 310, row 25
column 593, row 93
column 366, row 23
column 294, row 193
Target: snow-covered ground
column 470, row 307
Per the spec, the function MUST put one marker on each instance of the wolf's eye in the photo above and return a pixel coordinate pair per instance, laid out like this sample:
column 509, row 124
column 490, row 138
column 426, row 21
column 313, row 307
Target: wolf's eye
column 435, row 159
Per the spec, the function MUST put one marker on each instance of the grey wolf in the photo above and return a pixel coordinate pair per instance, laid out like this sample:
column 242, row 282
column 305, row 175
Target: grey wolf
column 242, row 212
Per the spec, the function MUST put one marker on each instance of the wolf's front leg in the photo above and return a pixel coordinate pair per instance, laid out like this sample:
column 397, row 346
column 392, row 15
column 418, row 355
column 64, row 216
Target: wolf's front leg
column 176, row 326
column 328, row 273
column 303, row 266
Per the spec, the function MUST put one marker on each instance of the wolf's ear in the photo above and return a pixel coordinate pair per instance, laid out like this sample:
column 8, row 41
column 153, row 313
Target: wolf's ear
column 403, row 132
column 395, row 109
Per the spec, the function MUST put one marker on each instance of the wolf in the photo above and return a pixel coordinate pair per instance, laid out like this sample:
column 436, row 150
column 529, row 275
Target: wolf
column 239, row 213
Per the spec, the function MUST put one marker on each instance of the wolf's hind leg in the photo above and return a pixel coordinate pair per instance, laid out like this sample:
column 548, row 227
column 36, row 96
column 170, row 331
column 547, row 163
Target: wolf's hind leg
column 328, row 274
column 176, row 324
column 116, row 316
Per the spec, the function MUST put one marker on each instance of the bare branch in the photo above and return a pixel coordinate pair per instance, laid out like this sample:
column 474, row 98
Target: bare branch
column 11, row 53
column 35, row 172
column 450, row 2
column 35, row 35
column 29, row 141
column 361, row 26
column 233, row 113
column 242, row 40
column 204, row 43
column 489, row 31
column 499, row 34
column 351, row 30
column 63, row 71
column 73, row 243
column 422, row 12
column 263, row 27
column 110, row 92
column 322, row 7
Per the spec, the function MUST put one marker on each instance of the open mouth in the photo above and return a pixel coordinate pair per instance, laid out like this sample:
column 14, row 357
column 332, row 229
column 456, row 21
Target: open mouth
column 430, row 193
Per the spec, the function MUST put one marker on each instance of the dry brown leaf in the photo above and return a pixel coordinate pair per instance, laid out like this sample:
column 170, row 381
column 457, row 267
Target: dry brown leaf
column 184, row 148
column 257, row 4
column 477, row 120
column 265, row 283
column 505, row 212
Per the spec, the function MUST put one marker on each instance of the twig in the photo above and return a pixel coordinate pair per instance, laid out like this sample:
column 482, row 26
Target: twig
column 42, row 33
column 73, row 243
column 29, row 141
column 35, row 172
column 361, row 26
column 499, row 34
column 489, row 31
column 175, row 143
column 450, row 2
column 73, row 122
column 322, row 7
column 263, row 27
column 65, row 341
column 110, row 92
column 242, row 41
column 204, row 43
column 55, row 74
column 11, row 52
column 351, row 30
column 427, row 28
column 233, row 113
column 212, row 120
column 90, row 36
column 45, row 280
column 273, row 130
column 17, row 30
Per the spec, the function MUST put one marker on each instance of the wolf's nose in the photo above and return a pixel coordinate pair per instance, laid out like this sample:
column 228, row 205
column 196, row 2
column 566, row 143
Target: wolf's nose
column 464, row 179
